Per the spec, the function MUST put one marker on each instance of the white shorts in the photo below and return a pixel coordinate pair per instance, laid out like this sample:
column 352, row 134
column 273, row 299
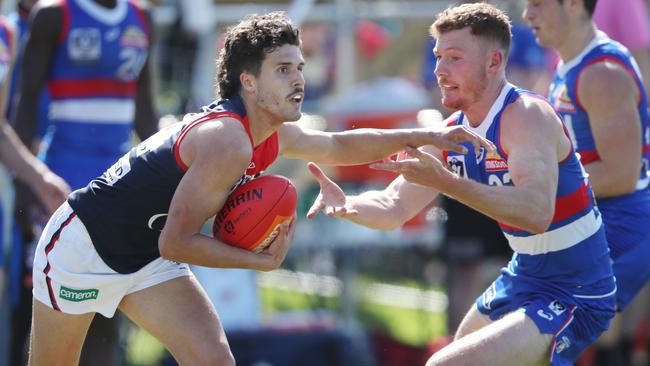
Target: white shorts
column 69, row 275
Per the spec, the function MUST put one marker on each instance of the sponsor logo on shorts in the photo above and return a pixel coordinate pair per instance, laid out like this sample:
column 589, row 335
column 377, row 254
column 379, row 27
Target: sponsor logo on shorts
column 78, row 295
column 556, row 307
column 562, row 344
column 488, row 296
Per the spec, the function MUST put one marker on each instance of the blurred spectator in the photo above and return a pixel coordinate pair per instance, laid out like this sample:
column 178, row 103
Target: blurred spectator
column 628, row 24
column 371, row 38
column 319, row 51
column 529, row 65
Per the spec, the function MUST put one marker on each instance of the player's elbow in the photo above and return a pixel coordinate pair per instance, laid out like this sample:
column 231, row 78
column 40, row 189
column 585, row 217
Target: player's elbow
column 627, row 183
column 539, row 220
column 168, row 247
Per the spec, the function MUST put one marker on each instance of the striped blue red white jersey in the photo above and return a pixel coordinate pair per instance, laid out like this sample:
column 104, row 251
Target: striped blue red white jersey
column 93, row 78
column 573, row 249
column 563, row 96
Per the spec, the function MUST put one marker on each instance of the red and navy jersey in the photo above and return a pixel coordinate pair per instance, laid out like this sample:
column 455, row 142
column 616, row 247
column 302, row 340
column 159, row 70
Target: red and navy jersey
column 93, row 77
column 563, row 96
column 573, row 249
column 125, row 209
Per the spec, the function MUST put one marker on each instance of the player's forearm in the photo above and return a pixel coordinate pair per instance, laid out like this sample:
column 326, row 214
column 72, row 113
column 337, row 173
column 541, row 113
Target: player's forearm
column 26, row 118
column 208, row 252
column 376, row 210
column 526, row 208
column 18, row 159
column 367, row 145
column 610, row 180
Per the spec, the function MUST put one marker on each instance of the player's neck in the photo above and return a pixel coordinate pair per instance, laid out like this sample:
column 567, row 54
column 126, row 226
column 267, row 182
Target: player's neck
column 261, row 123
column 477, row 111
column 578, row 38
column 107, row 3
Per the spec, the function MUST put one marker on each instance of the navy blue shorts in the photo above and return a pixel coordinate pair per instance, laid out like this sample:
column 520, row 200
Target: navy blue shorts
column 627, row 224
column 575, row 321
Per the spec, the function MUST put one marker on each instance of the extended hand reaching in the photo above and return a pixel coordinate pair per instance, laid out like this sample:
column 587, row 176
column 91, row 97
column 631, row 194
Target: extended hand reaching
column 423, row 169
column 451, row 137
column 331, row 199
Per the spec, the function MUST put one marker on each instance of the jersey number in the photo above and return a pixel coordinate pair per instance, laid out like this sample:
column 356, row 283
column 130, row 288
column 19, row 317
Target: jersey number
column 494, row 179
column 132, row 62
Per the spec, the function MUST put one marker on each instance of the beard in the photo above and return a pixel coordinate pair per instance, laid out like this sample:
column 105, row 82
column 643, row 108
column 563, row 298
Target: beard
column 476, row 89
column 278, row 107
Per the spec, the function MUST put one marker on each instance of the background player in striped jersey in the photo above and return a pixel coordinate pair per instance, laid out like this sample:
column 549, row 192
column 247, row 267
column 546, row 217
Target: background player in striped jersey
column 598, row 91
column 92, row 56
column 556, row 295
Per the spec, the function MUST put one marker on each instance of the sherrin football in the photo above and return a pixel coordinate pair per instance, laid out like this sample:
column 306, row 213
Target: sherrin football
column 252, row 212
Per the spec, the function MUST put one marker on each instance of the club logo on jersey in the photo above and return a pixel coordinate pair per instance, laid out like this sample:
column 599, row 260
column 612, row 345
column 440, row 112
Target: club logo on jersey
column 157, row 221
column 494, row 162
column 85, row 45
column 134, row 37
column 557, row 307
column 78, row 295
column 561, row 100
column 481, row 155
column 457, row 164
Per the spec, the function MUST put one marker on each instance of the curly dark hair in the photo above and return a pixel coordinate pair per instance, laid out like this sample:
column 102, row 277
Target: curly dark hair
column 484, row 20
column 247, row 44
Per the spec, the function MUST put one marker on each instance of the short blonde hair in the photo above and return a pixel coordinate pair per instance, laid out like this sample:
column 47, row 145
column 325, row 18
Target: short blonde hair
column 484, row 20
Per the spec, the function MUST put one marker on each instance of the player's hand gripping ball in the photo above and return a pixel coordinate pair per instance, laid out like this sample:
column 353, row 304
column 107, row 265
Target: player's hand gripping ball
column 254, row 210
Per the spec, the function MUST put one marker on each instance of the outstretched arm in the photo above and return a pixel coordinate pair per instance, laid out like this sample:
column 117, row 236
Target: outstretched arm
column 385, row 210
column 532, row 136
column 366, row 145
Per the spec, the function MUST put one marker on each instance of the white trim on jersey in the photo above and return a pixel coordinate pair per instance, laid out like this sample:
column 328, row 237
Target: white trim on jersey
column 559, row 239
column 105, row 15
column 643, row 183
column 94, row 110
column 611, row 293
